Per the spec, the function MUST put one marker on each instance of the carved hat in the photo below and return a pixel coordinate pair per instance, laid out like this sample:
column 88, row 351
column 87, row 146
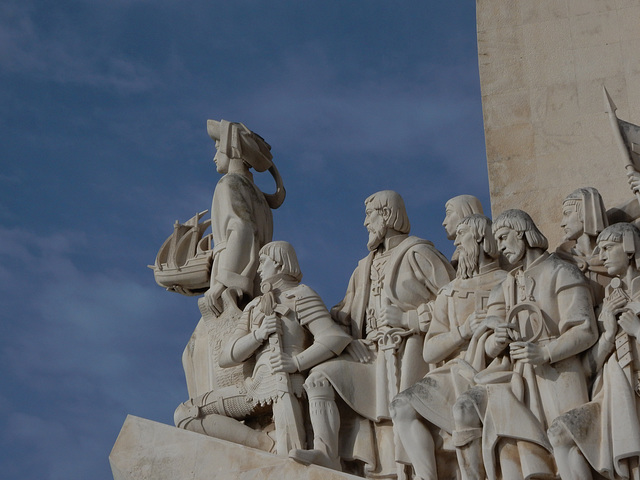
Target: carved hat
column 594, row 215
column 236, row 141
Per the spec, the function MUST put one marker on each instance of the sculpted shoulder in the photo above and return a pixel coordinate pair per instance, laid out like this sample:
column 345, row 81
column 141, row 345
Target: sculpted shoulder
column 300, row 292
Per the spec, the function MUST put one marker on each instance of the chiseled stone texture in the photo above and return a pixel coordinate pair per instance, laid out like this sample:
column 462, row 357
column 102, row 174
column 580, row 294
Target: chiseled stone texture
column 542, row 67
column 147, row 450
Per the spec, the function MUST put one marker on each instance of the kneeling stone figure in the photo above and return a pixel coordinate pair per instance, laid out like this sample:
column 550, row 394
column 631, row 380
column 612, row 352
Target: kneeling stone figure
column 280, row 335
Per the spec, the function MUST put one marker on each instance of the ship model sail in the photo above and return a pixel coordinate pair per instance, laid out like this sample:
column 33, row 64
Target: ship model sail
column 183, row 263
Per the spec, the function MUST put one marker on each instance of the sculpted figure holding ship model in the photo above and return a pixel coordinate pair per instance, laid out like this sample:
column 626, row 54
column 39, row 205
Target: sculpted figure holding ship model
column 241, row 224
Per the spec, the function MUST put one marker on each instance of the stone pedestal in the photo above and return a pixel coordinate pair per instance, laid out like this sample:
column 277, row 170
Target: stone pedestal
column 147, row 450
column 542, row 67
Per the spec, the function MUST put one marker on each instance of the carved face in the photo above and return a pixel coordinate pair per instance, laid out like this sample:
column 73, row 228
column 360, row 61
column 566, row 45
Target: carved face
column 267, row 267
column 451, row 221
column 469, row 251
column 572, row 223
column 221, row 160
column 376, row 225
column 615, row 259
column 511, row 243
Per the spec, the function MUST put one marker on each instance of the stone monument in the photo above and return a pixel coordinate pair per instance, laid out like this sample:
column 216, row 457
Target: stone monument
column 510, row 362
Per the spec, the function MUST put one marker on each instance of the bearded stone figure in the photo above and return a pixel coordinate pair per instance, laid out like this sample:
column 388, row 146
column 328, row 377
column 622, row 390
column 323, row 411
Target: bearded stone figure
column 456, row 209
column 422, row 414
column 542, row 318
column 385, row 311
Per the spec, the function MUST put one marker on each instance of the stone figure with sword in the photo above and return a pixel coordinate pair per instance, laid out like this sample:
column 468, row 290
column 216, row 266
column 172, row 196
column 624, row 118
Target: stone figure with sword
column 279, row 336
column 385, row 311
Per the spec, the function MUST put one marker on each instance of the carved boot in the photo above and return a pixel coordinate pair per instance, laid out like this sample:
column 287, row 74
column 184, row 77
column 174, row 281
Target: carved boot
column 468, row 445
column 204, row 419
column 325, row 420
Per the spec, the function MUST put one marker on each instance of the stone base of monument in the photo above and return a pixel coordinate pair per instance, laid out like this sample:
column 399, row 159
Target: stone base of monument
column 153, row 451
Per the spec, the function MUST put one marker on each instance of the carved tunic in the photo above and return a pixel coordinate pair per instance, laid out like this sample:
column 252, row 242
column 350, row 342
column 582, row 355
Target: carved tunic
column 433, row 396
column 552, row 306
column 241, row 224
column 590, row 265
column 305, row 321
column 413, row 274
column 607, row 429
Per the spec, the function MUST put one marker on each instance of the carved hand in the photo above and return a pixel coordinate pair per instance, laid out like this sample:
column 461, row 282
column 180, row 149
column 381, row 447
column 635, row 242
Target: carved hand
column 610, row 324
column 614, row 302
column 282, row 362
column 213, row 299
column 501, row 334
column 359, row 350
column 391, row 316
column 634, row 180
column 472, row 324
column 271, row 324
column 630, row 323
column 528, row 352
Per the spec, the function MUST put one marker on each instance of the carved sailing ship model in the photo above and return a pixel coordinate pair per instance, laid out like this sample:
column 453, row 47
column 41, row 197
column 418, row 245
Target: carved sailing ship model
column 183, row 263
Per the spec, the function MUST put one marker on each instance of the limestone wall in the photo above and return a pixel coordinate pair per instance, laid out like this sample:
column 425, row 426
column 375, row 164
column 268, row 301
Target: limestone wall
column 542, row 67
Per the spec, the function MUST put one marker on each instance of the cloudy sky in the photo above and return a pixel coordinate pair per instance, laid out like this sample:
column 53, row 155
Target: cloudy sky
column 104, row 145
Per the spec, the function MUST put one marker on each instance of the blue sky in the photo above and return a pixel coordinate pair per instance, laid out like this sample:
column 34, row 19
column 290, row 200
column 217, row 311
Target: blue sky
column 104, row 145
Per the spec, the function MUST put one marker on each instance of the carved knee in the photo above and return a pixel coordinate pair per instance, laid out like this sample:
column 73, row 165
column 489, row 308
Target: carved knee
column 318, row 387
column 401, row 409
column 558, row 435
column 465, row 414
column 185, row 413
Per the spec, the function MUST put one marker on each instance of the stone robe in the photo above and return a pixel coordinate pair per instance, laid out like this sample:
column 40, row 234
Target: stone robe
column 241, row 224
column 412, row 275
column 434, row 395
column 607, row 429
column 590, row 265
column 556, row 313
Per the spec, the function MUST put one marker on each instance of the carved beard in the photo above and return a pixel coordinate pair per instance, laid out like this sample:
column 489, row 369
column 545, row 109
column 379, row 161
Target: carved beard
column 468, row 261
column 375, row 238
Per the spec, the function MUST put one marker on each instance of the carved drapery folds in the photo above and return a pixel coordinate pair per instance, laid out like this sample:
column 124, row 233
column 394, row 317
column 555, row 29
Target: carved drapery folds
column 510, row 361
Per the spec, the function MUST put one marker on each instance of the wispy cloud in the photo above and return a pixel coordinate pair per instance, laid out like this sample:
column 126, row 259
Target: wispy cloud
column 64, row 55
column 87, row 343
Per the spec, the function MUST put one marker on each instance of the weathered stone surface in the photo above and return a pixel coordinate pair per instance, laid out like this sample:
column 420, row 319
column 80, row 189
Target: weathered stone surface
column 147, row 450
column 542, row 68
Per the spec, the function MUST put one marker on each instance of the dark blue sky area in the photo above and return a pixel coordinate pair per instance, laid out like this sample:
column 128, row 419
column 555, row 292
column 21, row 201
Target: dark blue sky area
column 104, row 145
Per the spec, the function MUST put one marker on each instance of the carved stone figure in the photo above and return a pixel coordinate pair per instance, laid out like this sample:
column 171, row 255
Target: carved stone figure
column 583, row 218
column 605, row 433
column 456, row 209
column 382, row 310
column 457, row 314
column 280, row 335
column 241, row 223
column 543, row 314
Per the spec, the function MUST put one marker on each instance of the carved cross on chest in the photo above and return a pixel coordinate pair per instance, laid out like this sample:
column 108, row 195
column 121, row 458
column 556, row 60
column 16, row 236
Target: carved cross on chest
column 377, row 274
column 524, row 287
